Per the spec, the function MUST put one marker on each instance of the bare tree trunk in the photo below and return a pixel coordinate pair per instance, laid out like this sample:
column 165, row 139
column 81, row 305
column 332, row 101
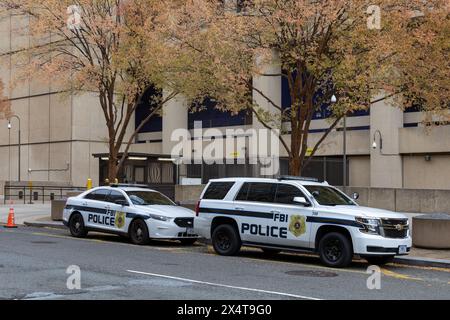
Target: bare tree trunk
column 112, row 166
column 294, row 165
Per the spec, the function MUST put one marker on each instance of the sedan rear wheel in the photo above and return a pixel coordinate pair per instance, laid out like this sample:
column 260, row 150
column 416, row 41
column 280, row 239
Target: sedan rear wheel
column 76, row 226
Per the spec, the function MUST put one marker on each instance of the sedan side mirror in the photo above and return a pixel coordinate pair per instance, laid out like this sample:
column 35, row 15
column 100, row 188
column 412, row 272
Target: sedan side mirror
column 123, row 203
column 302, row 201
column 355, row 195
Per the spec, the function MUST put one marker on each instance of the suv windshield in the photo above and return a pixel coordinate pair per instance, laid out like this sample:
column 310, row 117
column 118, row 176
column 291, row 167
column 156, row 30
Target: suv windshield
column 327, row 196
column 148, row 198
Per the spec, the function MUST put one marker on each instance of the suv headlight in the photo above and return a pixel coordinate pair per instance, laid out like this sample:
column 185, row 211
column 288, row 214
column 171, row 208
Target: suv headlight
column 369, row 225
column 160, row 218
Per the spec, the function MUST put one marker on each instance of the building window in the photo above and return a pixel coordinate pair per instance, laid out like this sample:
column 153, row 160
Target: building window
column 145, row 107
column 328, row 169
column 211, row 117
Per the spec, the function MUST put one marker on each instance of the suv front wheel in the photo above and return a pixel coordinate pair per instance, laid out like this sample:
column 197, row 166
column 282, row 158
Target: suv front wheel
column 335, row 250
column 226, row 240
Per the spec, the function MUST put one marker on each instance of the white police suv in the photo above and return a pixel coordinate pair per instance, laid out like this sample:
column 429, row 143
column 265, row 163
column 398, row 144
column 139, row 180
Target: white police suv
column 298, row 214
column 135, row 212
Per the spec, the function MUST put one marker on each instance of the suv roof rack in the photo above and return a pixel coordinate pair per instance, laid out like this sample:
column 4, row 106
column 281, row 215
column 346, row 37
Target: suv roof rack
column 298, row 178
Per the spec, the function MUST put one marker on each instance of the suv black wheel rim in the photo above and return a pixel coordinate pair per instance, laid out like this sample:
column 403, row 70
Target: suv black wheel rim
column 223, row 241
column 333, row 250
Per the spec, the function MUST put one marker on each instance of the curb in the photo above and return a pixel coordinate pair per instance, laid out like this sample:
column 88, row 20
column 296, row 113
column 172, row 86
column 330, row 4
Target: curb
column 423, row 262
column 56, row 225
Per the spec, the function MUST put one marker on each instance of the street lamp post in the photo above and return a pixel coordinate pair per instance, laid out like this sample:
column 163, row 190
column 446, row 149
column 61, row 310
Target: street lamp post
column 9, row 128
column 344, row 169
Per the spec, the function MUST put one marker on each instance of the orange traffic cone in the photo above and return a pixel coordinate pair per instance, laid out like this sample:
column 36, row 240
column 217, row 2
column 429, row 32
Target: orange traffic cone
column 11, row 220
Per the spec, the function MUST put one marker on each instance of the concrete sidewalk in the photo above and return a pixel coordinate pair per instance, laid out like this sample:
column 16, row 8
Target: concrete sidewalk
column 25, row 212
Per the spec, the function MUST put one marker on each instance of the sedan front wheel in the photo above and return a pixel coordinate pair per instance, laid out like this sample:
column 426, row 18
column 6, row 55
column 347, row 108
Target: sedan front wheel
column 139, row 232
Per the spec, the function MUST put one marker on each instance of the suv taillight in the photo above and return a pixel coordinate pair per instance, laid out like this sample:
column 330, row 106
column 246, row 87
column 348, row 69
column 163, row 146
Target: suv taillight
column 197, row 208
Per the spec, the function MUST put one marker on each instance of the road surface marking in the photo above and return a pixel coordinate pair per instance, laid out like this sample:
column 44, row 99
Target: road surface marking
column 396, row 275
column 314, row 266
column 106, row 241
column 386, row 272
column 42, row 234
column 441, row 269
column 224, row 285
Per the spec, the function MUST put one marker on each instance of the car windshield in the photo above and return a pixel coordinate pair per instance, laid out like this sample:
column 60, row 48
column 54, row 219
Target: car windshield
column 327, row 196
column 148, row 198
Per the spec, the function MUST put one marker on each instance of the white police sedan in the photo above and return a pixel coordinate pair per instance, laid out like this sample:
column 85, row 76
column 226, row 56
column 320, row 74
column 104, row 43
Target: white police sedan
column 138, row 213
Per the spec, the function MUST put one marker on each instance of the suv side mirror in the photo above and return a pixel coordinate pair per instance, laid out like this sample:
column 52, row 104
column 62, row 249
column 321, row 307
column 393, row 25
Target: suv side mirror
column 355, row 195
column 123, row 203
column 302, row 201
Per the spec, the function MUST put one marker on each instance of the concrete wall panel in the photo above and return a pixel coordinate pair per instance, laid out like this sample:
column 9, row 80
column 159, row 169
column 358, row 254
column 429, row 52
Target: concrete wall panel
column 59, row 160
column 60, row 117
column 40, row 116
column 424, row 140
column 359, row 171
column 39, row 160
column 422, row 174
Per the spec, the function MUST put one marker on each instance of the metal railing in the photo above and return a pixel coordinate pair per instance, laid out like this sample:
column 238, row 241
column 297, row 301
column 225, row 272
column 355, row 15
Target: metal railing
column 37, row 193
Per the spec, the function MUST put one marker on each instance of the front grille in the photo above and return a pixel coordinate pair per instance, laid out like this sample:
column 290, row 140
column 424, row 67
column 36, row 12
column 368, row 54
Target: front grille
column 185, row 222
column 394, row 228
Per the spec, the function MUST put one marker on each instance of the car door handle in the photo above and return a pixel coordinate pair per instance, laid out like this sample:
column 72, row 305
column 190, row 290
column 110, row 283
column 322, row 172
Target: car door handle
column 239, row 208
column 84, row 203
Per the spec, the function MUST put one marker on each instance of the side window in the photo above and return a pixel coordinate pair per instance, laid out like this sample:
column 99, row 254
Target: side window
column 262, row 192
column 286, row 194
column 100, row 195
column 242, row 194
column 217, row 190
column 90, row 195
column 114, row 196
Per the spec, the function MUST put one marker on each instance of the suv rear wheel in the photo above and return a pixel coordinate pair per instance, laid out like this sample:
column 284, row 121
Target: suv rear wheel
column 226, row 240
column 335, row 250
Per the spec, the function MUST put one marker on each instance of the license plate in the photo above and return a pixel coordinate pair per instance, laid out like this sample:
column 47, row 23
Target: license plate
column 402, row 249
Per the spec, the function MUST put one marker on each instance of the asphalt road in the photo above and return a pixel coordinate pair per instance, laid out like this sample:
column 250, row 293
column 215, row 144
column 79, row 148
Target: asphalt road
column 34, row 261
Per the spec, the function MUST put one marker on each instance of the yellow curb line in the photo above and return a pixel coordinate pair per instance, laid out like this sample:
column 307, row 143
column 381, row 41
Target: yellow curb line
column 422, row 267
column 396, row 275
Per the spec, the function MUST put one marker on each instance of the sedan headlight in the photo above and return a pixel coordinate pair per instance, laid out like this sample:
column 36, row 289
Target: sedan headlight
column 160, row 218
column 369, row 225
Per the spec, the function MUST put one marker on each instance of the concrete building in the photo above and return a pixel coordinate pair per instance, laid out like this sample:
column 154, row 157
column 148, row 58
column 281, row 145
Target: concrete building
column 63, row 138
